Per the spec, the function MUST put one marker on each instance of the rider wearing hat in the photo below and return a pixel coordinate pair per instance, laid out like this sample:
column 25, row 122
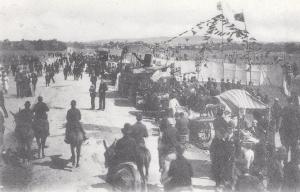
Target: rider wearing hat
column 40, row 109
column 139, row 131
column 125, row 147
column 73, row 120
column 26, row 115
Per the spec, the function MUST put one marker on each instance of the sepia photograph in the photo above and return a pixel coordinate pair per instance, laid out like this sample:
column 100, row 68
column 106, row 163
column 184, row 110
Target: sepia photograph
column 149, row 96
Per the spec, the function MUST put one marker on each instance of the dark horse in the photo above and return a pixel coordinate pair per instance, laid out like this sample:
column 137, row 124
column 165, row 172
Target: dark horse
column 41, row 132
column 127, row 176
column 24, row 134
column 75, row 136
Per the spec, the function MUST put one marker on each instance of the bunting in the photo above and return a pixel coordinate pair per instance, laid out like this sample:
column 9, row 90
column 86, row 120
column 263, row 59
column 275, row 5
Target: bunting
column 210, row 27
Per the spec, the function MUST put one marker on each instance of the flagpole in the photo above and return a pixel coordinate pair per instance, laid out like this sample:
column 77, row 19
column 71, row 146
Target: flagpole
column 248, row 53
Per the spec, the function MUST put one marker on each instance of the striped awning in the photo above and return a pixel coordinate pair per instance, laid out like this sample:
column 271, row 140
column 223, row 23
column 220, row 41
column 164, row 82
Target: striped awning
column 236, row 99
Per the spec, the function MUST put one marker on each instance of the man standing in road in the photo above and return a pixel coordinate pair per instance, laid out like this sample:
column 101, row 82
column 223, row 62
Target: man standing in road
column 102, row 92
column 34, row 79
column 139, row 131
column 92, row 91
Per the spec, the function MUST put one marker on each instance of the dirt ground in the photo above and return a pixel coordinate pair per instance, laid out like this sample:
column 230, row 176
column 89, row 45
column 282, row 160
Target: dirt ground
column 55, row 172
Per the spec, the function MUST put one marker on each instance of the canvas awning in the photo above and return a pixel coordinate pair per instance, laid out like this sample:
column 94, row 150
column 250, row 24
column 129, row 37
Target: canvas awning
column 236, row 99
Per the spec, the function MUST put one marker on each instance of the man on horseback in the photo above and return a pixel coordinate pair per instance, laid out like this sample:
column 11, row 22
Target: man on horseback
column 125, row 147
column 125, row 151
column 40, row 110
column 73, row 119
column 26, row 115
column 139, row 131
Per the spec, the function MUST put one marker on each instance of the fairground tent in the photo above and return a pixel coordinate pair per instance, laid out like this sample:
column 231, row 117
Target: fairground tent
column 236, row 99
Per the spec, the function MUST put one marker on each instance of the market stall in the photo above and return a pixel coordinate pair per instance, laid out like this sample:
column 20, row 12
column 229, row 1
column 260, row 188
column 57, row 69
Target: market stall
column 234, row 101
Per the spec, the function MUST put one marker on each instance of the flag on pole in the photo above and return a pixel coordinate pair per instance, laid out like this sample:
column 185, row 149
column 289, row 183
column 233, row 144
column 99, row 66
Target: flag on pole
column 219, row 6
column 239, row 17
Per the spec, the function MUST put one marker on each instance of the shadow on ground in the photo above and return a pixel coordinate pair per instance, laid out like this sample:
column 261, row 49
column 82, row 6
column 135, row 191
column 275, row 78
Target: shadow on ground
column 56, row 163
column 122, row 102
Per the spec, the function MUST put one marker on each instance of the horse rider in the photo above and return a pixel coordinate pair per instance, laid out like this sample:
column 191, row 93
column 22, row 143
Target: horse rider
column 125, row 151
column 180, row 173
column 73, row 121
column 125, row 147
column 139, row 131
column 25, row 117
column 40, row 111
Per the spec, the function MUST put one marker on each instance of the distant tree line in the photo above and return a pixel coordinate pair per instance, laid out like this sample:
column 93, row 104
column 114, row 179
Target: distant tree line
column 29, row 45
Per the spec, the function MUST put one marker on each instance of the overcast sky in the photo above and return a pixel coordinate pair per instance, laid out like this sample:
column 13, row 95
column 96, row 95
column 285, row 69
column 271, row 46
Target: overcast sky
column 87, row 20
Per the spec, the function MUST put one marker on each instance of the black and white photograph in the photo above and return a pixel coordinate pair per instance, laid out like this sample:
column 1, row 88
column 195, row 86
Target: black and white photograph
column 149, row 96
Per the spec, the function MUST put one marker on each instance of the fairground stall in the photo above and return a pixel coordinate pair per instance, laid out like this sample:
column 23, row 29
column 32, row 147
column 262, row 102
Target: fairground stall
column 238, row 106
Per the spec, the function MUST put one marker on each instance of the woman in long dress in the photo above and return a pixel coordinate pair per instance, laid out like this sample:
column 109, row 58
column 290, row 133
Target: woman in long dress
column 5, row 82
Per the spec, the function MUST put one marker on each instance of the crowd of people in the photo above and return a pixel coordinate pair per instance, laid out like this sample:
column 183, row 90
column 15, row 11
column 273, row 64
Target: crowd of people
column 236, row 164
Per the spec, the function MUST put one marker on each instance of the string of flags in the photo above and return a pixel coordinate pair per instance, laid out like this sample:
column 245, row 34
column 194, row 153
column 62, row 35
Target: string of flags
column 210, row 27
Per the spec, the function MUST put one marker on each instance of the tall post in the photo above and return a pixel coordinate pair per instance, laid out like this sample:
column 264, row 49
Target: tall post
column 248, row 52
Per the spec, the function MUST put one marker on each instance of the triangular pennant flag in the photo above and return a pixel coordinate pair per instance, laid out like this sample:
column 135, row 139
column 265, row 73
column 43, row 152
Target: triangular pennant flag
column 194, row 32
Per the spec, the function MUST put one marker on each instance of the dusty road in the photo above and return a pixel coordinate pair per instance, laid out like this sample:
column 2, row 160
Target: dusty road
column 54, row 172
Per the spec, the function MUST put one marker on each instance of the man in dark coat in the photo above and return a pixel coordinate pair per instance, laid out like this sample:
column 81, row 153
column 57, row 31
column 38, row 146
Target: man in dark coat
column 102, row 91
column 218, row 154
column 139, row 131
column 40, row 109
column 93, row 93
column 73, row 120
column 180, row 172
column 40, row 112
column 93, row 79
column 125, row 147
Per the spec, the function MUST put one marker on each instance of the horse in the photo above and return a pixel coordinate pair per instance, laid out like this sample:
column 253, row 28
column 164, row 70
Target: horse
column 124, row 176
column 75, row 136
column 41, row 132
column 24, row 134
column 143, row 162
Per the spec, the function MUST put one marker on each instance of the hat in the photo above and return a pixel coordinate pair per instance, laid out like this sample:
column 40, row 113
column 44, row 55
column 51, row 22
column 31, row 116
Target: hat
column 27, row 103
column 127, row 129
column 139, row 117
column 40, row 98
